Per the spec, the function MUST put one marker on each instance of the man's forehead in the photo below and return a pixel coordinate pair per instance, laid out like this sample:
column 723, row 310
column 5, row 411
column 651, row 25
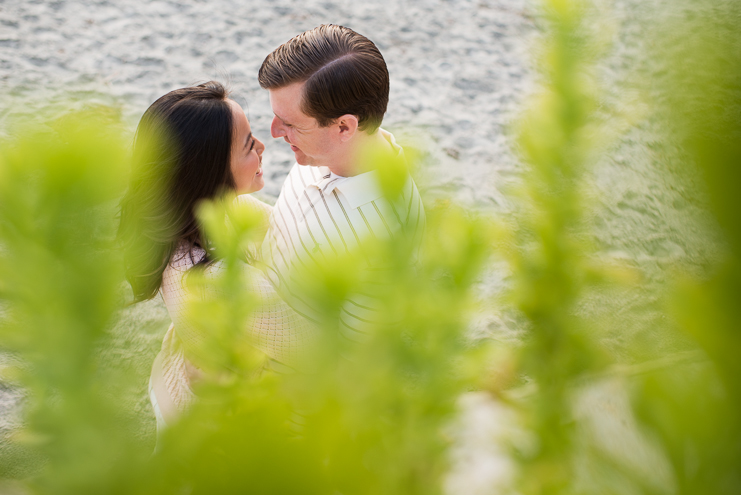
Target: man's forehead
column 286, row 103
column 287, row 96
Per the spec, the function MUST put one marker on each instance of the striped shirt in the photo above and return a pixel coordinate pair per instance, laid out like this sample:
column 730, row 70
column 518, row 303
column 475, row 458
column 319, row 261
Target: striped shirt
column 320, row 215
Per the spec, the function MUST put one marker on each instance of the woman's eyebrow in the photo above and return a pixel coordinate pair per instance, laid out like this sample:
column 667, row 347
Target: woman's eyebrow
column 246, row 141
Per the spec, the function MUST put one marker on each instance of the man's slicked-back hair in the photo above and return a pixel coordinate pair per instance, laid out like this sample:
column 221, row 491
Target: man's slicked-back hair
column 344, row 74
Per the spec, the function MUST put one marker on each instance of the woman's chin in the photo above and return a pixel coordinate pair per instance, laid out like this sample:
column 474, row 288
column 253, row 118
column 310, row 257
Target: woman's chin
column 258, row 183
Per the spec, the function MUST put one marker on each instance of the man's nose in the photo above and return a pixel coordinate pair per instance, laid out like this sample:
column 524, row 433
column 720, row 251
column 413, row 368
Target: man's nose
column 276, row 128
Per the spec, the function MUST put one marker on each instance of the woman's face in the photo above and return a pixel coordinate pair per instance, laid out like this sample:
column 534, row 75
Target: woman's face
column 246, row 157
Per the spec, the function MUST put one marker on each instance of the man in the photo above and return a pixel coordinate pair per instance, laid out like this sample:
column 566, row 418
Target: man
column 329, row 90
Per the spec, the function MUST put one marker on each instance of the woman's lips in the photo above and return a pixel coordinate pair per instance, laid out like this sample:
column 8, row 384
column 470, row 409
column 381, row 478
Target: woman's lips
column 294, row 149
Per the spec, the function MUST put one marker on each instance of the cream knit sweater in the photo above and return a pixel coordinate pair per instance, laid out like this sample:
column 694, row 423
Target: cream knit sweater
column 273, row 327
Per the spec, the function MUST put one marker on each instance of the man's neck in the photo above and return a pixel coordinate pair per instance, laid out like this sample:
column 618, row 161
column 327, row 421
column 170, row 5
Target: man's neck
column 353, row 161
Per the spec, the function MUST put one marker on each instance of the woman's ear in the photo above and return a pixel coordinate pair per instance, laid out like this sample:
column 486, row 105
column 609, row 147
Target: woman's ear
column 348, row 126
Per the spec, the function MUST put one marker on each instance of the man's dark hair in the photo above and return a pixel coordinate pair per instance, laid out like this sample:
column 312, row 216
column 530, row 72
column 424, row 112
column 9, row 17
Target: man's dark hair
column 344, row 74
column 181, row 156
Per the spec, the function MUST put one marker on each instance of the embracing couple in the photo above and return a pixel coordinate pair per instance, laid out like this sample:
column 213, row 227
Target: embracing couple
column 328, row 91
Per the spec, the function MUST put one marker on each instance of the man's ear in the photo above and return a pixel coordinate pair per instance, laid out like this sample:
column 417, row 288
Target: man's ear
column 348, row 126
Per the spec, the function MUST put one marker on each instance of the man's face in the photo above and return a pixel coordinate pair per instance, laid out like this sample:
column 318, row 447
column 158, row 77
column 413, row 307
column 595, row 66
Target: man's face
column 310, row 143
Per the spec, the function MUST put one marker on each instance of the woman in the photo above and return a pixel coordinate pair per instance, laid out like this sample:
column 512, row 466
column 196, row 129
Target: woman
column 194, row 144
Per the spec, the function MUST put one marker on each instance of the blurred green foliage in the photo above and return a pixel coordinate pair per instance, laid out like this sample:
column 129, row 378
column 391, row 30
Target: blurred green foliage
column 696, row 411
column 60, row 282
column 372, row 418
column 549, row 253
column 367, row 419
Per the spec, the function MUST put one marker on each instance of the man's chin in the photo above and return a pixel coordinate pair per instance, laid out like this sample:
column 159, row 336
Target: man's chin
column 302, row 159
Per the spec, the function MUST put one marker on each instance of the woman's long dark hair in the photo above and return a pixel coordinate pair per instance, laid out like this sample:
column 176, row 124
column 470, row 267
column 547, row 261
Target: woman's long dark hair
column 181, row 156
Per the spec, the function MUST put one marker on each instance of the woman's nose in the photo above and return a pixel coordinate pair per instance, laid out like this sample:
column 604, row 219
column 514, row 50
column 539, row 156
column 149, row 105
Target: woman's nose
column 276, row 128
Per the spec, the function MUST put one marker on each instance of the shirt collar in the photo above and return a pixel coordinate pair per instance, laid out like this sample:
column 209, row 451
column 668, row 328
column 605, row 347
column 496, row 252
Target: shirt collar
column 359, row 189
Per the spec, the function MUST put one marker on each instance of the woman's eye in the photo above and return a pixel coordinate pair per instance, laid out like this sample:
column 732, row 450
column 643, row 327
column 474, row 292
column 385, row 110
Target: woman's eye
column 252, row 146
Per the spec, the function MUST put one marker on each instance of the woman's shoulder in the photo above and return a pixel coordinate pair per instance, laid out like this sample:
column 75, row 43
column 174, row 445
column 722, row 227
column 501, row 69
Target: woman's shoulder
column 185, row 257
column 250, row 201
column 182, row 260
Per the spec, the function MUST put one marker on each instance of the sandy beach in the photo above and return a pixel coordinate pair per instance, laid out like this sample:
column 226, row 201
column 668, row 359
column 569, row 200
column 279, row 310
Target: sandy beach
column 460, row 71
